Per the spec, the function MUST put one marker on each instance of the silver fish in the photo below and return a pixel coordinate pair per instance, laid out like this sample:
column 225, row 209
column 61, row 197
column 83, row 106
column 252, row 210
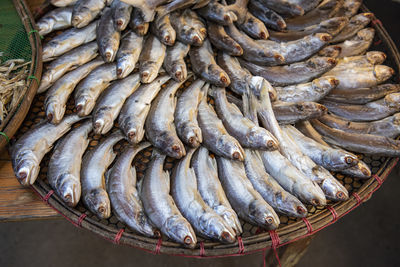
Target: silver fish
column 124, row 196
column 222, row 41
column 295, row 73
column 244, row 130
column 204, row 65
column 217, row 12
column 357, row 45
column 174, row 62
column 188, row 200
column 330, row 158
column 94, row 166
column 128, row 54
column 289, row 113
column 371, row 111
column 211, row 190
column 288, row 147
column 57, row 19
column 121, row 14
column 146, row 7
column 349, row 8
column 189, row 28
column 215, row 136
column 136, row 107
column 279, row 167
column 108, row 36
column 111, row 101
column 279, row 199
column 162, row 28
column 137, row 23
column 30, row 148
column 389, row 126
column 298, row 50
column 160, row 127
column 151, row 58
column 313, row 91
column 67, row 62
column 160, row 206
column 65, row 164
column 284, row 7
column 254, row 27
column 89, row 89
column 361, row 171
column 62, row 3
column 68, row 40
column 245, row 200
column 186, row 111
column 361, row 143
column 356, row 23
column 58, row 94
column 85, row 11
column 270, row 18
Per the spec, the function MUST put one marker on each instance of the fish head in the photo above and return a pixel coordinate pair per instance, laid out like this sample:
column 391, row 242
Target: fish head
column 109, row 51
column 334, row 190
column 230, row 218
column 263, row 139
column 393, row 100
column 322, row 62
column 311, row 108
column 216, row 228
column 217, row 76
column 168, row 37
column 196, row 37
column 54, row 110
column 124, row 67
column 362, row 19
column 84, row 105
column 148, row 72
column 375, row 57
column 173, row 146
column 69, row 189
column 325, row 83
column 80, row 20
column 180, row 230
column 133, row 130
column 26, row 168
column 103, row 121
column 98, row 202
column 261, row 213
column 192, row 135
column 180, row 72
column 382, row 72
column 396, row 119
column 366, row 34
column 231, row 146
column 48, row 51
column 45, row 26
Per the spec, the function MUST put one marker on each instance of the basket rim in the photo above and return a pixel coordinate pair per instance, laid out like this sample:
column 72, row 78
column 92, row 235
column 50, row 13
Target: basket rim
column 17, row 117
column 257, row 243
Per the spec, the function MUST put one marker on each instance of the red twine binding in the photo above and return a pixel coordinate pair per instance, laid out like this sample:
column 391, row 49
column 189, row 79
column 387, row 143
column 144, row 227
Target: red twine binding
column 158, row 246
column 378, row 42
column 46, row 197
column 118, row 236
column 308, row 224
column 202, row 251
column 378, row 179
column 357, row 197
column 80, row 219
column 334, row 213
column 275, row 243
column 241, row 245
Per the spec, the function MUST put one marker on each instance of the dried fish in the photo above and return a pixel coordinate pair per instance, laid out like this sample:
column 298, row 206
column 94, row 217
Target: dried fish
column 85, row 11
column 174, row 62
column 160, row 206
column 111, row 101
column 137, row 23
column 270, row 18
column 123, row 194
column 94, row 166
column 58, row 94
column 189, row 28
column 65, row 164
column 289, row 113
column 108, row 36
column 128, row 54
column 62, row 3
column 136, row 107
column 210, row 188
column 356, row 23
column 57, row 19
column 30, row 148
column 221, row 40
column 254, row 27
column 283, row 7
column 121, row 13
column 217, row 13
column 162, row 28
column 151, row 59
column 67, row 62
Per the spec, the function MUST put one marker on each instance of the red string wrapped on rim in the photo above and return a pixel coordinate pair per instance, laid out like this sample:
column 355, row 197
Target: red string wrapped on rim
column 378, row 179
column 308, row 224
column 275, row 244
column 202, row 251
column 241, row 245
column 47, row 196
column 80, row 219
column 357, row 197
column 376, row 22
column 334, row 213
column 118, row 236
column 158, row 246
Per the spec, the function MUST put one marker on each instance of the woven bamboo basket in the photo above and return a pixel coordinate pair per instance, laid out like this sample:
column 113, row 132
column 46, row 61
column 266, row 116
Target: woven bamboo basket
column 253, row 238
column 16, row 116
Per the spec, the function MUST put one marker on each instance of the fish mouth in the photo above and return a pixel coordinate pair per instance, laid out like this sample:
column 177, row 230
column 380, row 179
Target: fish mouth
column 109, row 55
column 341, row 196
column 98, row 126
column 188, row 241
column 227, row 237
column 263, row 35
column 301, row 211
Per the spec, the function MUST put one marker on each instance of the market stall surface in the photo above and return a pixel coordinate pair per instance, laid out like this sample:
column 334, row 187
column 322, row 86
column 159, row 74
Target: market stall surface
column 366, row 237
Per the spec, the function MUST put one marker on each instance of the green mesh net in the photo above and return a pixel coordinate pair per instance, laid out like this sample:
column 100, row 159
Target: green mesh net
column 14, row 42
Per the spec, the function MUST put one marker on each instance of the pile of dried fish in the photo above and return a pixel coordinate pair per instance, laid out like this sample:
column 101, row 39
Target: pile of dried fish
column 13, row 76
column 264, row 65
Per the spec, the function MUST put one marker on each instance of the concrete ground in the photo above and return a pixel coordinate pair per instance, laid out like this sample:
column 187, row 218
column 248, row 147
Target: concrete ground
column 369, row 236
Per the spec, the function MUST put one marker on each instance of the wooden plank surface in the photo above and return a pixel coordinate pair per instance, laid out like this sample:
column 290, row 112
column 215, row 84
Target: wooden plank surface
column 16, row 201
